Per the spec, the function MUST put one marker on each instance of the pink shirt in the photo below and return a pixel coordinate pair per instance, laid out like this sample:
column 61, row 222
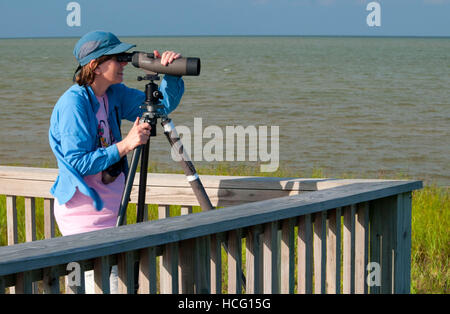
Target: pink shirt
column 79, row 215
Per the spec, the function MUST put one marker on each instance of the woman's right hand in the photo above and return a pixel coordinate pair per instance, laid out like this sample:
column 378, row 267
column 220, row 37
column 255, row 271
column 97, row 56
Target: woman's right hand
column 138, row 135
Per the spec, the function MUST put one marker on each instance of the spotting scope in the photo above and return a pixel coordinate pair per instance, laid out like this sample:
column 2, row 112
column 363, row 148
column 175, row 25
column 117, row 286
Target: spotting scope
column 148, row 61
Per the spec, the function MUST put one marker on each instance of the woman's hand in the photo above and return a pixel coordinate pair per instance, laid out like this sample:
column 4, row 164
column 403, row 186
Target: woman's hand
column 138, row 135
column 167, row 57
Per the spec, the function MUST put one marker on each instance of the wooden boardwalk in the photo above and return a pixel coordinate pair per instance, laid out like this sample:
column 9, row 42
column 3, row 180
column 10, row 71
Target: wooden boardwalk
column 282, row 226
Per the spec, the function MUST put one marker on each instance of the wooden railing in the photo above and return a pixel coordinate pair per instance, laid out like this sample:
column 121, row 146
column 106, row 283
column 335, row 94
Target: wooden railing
column 297, row 235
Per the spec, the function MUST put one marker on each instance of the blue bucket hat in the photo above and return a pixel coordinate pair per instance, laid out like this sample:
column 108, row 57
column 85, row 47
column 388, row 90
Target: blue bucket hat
column 96, row 44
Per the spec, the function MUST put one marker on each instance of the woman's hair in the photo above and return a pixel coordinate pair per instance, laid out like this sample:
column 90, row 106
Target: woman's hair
column 86, row 75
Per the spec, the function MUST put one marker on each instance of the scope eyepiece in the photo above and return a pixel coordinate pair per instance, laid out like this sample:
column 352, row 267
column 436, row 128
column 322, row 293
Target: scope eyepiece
column 124, row 57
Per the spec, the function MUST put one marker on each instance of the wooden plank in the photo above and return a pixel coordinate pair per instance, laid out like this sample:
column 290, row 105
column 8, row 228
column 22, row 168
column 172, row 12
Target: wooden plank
column 51, row 280
column 102, row 275
column 30, row 219
column 11, row 219
column 202, row 263
column 24, row 283
column 163, row 211
column 186, row 266
column 375, row 253
column 216, row 265
column 169, row 270
column 287, row 268
column 234, row 262
column 222, row 190
column 402, row 259
column 125, row 268
column 2, row 285
column 28, row 188
column 320, row 250
column 349, row 250
column 49, row 218
column 383, row 234
column 155, row 233
column 145, row 218
column 254, row 263
column 165, row 180
column 361, row 247
column 185, row 210
column 333, row 276
column 305, row 254
column 270, row 259
column 147, row 271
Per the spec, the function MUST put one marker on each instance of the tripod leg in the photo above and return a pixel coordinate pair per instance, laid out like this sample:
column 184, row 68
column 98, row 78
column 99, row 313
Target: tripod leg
column 187, row 165
column 143, row 182
column 128, row 186
column 191, row 173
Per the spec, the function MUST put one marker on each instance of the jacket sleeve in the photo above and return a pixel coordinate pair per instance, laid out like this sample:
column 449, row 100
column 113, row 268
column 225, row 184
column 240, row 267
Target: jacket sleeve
column 78, row 136
column 172, row 89
column 130, row 101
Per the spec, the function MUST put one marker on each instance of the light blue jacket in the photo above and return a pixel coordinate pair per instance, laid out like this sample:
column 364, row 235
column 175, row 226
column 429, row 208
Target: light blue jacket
column 73, row 132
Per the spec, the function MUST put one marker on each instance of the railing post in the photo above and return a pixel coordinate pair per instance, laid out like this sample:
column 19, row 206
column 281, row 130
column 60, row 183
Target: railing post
column 101, row 275
column 49, row 218
column 382, row 213
column 11, row 219
column 270, row 249
column 349, row 250
column 202, row 265
column 125, row 269
column 51, row 281
column 320, row 230
column 305, row 252
column 186, row 266
column 253, row 261
column 334, row 252
column 287, row 256
column 147, row 271
column 24, row 284
column 361, row 247
column 402, row 257
column 169, row 269
column 234, row 262
column 216, row 264
column 30, row 219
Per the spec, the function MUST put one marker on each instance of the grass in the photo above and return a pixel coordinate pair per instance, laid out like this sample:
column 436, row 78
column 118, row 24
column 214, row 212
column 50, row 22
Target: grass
column 430, row 224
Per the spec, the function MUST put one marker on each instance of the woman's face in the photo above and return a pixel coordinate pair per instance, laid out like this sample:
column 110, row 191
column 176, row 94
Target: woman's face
column 110, row 71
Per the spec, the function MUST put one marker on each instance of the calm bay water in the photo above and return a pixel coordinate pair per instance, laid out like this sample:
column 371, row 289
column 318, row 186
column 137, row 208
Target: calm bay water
column 354, row 106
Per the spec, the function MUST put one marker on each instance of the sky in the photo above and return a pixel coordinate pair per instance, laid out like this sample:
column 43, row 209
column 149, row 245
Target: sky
column 49, row 18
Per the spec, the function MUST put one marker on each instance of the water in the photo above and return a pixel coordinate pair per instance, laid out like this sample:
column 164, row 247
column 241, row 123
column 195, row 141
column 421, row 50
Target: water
column 354, row 106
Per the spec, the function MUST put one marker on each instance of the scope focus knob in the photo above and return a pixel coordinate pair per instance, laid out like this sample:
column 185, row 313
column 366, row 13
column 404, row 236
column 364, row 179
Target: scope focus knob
column 157, row 94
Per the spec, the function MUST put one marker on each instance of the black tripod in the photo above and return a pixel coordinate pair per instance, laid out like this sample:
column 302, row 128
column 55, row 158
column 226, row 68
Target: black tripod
column 151, row 115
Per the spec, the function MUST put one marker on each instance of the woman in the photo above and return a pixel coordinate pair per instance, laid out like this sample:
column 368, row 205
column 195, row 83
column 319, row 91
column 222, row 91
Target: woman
column 85, row 133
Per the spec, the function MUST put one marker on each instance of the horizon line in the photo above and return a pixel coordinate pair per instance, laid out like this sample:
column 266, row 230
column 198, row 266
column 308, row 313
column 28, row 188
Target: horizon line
column 243, row 35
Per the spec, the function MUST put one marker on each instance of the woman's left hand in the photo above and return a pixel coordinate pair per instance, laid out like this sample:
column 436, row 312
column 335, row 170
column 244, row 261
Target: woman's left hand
column 167, row 57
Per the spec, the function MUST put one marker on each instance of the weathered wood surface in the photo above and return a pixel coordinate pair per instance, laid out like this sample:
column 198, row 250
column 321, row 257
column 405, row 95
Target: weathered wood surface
column 174, row 189
column 57, row 251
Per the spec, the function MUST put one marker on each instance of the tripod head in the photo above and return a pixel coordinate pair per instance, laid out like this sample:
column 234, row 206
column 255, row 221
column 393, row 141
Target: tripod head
column 152, row 102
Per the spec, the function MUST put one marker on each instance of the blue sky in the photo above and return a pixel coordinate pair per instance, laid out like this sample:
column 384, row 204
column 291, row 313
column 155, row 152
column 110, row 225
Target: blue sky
column 47, row 18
